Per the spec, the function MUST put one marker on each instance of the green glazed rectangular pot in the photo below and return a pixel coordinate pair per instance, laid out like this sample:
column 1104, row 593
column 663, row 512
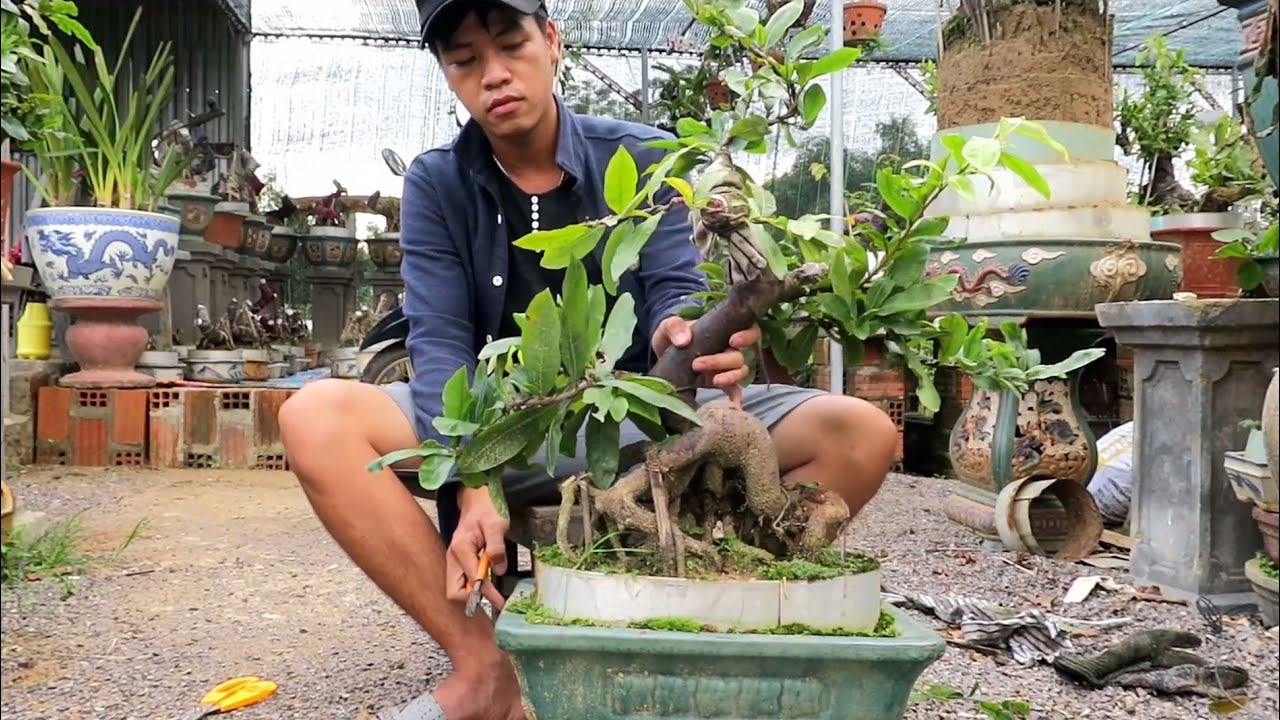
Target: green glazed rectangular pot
column 594, row 673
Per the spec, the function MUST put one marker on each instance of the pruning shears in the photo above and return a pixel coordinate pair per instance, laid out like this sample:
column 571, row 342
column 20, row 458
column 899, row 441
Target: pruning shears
column 233, row 695
column 482, row 574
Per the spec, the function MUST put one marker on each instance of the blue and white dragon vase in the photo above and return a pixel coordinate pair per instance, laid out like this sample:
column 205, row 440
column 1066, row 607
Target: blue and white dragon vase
column 103, row 252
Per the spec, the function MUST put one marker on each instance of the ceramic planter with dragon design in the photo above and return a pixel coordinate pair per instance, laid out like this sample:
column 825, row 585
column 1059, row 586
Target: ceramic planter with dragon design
column 330, row 246
column 106, row 267
column 384, row 251
column 1025, row 255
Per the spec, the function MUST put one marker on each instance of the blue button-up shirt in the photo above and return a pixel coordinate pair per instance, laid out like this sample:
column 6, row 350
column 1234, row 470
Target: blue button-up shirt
column 456, row 248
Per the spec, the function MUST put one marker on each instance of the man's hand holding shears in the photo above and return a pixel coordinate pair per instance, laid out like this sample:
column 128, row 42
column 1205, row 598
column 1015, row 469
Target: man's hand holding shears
column 480, row 537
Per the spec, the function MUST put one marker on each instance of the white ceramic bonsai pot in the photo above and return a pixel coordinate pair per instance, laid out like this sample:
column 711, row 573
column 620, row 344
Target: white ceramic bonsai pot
column 91, row 252
column 850, row 602
column 215, row 366
column 345, row 363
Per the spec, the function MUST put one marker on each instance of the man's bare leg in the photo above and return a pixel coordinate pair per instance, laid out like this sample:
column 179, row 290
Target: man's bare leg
column 843, row 444
column 332, row 430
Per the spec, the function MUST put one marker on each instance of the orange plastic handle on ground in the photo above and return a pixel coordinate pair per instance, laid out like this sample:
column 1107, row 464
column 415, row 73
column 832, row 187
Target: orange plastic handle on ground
column 239, row 692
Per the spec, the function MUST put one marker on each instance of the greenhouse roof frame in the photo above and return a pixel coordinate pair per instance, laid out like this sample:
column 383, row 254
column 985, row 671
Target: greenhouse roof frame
column 1209, row 31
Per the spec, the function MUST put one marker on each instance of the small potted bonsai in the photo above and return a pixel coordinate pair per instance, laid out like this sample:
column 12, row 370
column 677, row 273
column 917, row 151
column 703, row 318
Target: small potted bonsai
column 693, row 556
column 384, row 247
column 103, row 251
column 1159, row 125
column 329, row 241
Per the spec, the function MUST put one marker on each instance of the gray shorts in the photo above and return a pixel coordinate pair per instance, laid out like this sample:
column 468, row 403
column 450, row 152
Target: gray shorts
column 769, row 403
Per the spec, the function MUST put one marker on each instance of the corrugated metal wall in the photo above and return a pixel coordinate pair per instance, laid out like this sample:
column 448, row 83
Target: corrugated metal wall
column 211, row 59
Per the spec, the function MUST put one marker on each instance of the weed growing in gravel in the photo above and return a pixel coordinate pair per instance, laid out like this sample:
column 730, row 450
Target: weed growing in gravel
column 993, row 709
column 53, row 553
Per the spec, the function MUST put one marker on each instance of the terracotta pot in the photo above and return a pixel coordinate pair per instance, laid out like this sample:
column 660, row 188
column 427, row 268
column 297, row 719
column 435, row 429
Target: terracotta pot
column 1271, row 426
column 11, row 168
column 227, row 228
column 1203, row 273
column 863, row 20
column 717, row 94
column 1269, row 524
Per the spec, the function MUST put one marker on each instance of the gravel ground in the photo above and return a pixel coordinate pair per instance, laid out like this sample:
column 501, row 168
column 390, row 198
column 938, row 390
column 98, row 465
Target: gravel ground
column 233, row 575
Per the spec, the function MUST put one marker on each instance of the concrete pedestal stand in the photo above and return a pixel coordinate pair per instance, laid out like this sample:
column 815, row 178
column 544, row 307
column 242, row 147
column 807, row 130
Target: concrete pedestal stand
column 1199, row 368
column 384, row 281
column 192, row 285
column 333, row 297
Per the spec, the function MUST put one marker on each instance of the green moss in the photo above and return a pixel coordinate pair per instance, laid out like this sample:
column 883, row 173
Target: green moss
column 738, row 559
column 1268, row 567
column 535, row 613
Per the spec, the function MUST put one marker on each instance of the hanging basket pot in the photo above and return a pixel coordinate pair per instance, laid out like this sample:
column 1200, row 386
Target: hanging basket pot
column 718, row 96
column 863, row 20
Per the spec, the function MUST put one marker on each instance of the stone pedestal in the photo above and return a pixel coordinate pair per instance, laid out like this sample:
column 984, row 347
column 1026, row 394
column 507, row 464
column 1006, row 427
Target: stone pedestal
column 222, row 282
column 279, row 279
column 1199, row 368
column 242, row 278
column 333, row 297
column 384, row 281
column 191, row 285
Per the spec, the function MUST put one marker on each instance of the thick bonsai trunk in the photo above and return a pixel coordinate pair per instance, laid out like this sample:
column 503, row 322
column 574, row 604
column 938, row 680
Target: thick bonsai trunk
column 720, row 478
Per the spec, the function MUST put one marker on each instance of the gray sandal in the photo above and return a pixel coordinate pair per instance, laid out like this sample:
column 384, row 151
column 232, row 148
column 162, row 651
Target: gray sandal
column 423, row 707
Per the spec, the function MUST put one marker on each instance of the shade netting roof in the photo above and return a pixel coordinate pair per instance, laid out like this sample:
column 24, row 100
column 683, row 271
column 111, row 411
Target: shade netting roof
column 1208, row 31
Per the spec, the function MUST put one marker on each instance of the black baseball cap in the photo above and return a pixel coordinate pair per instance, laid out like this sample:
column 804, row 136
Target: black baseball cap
column 429, row 11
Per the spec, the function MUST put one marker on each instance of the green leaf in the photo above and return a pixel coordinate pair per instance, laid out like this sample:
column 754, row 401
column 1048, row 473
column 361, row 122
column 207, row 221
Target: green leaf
column 1028, row 172
column 626, row 242
column 1249, row 275
column 840, row 277
column 920, row 297
column 982, row 153
column 686, row 127
column 569, row 433
column 434, row 470
column 498, row 443
column 781, row 22
column 498, row 347
column 1233, row 250
column 561, row 238
column 683, row 187
column 1230, row 235
column 772, row 253
column 896, row 191
column 559, row 258
column 857, row 262
column 956, row 332
column 963, row 185
column 540, row 343
column 1037, row 132
column 908, row 264
column 618, row 331
column 1078, row 359
column 750, row 128
column 657, row 399
column 453, row 427
column 814, row 100
column 955, row 146
column 833, row 61
column 426, row 449
column 602, row 451
column 620, row 178
column 806, row 227
column 927, row 392
column 456, row 395
column 554, row 432
column 576, row 333
column 804, row 41
column 596, row 307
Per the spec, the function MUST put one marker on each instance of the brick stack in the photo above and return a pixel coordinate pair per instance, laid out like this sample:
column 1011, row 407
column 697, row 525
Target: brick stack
column 230, row 428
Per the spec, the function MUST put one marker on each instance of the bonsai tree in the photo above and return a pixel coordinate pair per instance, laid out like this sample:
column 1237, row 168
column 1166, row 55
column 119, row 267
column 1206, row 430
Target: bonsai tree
column 706, row 487
column 1161, row 123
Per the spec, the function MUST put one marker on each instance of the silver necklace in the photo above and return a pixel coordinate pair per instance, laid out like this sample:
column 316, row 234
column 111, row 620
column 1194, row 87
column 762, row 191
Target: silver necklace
column 533, row 199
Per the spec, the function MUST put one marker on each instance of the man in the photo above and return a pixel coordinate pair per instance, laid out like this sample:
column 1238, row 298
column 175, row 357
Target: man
column 522, row 162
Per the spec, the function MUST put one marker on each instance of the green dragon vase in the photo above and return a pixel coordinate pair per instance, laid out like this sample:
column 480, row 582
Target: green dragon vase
column 1002, row 436
column 1054, row 278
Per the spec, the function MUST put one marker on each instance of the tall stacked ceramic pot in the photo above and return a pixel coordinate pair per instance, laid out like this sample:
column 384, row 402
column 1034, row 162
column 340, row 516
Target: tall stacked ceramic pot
column 106, row 267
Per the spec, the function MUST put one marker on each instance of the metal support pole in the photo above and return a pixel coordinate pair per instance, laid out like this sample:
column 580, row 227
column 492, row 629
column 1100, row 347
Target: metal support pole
column 644, row 86
column 835, row 109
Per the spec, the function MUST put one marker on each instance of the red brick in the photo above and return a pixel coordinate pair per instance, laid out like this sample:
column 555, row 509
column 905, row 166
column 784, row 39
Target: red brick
column 871, row 383
column 166, row 415
column 90, row 417
column 53, row 426
column 127, row 428
column 235, row 428
column 268, row 446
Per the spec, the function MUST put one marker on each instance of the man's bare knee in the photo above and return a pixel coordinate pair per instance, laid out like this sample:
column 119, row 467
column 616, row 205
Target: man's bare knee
column 329, row 415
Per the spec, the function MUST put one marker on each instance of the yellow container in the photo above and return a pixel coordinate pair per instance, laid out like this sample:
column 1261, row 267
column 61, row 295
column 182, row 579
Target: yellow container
column 35, row 332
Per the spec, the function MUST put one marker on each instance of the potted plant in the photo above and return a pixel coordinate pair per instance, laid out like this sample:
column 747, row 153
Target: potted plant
column 103, row 251
column 862, row 21
column 1159, row 125
column 705, row 510
column 1258, row 257
column 25, row 115
column 384, row 247
column 329, row 242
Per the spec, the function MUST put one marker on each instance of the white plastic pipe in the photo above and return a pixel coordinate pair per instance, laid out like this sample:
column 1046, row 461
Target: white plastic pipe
column 835, row 109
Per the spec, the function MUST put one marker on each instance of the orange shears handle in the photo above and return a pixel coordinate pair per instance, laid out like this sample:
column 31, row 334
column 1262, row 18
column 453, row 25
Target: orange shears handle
column 239, row 692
